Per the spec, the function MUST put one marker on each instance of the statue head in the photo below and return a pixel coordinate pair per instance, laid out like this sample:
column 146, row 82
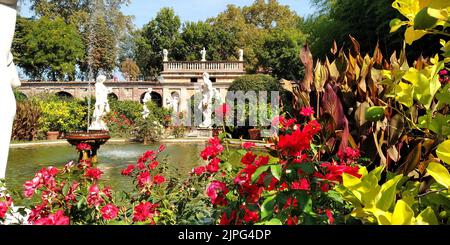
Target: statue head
column 205, row 75
column 101, row 79
column 150, row 90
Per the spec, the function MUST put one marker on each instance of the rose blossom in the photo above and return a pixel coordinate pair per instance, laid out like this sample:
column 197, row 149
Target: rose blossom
column 109, row 211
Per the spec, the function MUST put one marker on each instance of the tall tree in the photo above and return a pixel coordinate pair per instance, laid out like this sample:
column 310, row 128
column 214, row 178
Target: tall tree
column 130, row 70
column 111, row 23
column 47, row 49
column 160, row 33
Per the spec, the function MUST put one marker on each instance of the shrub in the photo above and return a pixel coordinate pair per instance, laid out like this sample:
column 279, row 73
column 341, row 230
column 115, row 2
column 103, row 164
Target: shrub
column 26, row 122
column 152, row 128
column 259, row 82
column 131, row 109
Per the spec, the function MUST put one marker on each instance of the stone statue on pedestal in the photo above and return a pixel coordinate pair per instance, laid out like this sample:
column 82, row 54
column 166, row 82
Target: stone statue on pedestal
column 147, row 98
column 206, row 104
column 203, row 53
column 101, row 104
column 174, row 102
column 166, row 55
column 8, row 79
column 241, row 55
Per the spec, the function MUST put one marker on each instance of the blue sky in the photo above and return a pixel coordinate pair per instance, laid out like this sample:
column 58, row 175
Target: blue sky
column 190, row 10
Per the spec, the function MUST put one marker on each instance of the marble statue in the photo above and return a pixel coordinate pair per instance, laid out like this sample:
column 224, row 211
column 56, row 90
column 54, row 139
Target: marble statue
column 147, row 98
column 101, row 104
column 203, row 53
column 8, row 79
column 241, row 55
column 166, row 55
column 206, row 103
column 174, row 102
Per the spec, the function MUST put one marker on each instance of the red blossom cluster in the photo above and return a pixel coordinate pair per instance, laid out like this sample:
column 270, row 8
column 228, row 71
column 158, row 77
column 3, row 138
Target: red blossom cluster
column 145, row 211
column 84, row 147
column 4, row 206
column 120, row 120
column 210, row 153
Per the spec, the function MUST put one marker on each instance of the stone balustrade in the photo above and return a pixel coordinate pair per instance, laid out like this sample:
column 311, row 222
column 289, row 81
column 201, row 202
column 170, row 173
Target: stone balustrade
column 204, row 66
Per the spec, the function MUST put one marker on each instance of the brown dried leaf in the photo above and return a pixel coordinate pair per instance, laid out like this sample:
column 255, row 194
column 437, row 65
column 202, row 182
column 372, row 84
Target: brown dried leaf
column 307, row 60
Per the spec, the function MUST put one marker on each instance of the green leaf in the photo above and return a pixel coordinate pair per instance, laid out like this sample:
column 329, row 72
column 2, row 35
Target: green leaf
column 259, row 171
column 242, row 152
column 267, row 207
column 439, row 173
column 427, row 217
column 404, row 93
column 403, row 214
column 425, row 87
column 443, row 151
column 395, row 24
column 305, row 202
column 273, row 221
column 276, row 171
column 387, row 192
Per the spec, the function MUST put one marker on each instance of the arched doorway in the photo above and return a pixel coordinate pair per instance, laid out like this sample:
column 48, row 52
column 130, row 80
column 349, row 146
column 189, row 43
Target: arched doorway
column 156, row 98
column 113, row 96
column 64, row 95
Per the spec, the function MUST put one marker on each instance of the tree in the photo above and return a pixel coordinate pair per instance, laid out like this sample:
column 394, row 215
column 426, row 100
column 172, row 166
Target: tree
column 160, row 33
column 280, row 52
column 129, row 69
column 48, row 49
column 110, row 23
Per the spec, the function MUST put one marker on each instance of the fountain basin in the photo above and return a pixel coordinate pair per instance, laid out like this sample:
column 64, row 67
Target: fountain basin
column 94, row 138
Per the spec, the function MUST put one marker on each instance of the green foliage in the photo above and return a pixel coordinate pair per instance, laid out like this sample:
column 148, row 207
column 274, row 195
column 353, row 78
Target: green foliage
column 48, row 48
column 60, row 115
column 131, row 109
column 258, row 82
column 151, row 129
column 130, row 70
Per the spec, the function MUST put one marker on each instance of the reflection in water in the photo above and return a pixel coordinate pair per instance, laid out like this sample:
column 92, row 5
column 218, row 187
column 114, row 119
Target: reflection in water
column 25, row 162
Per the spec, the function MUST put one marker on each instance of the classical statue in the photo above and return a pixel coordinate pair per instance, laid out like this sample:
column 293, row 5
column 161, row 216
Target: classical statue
column 203, row 53
column 206, row 104
column 166, row 55
column 241, row 55
column 101, row 104
column 147, row 98
column 174, row 102
column 8, row 79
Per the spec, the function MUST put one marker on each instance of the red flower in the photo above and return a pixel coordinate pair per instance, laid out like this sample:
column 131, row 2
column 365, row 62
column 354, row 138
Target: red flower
column 153, row 165
column 330, row 216
column 303, row 184
column 248, row 158
column 144, row 178
column 54, row 219
column 84, row 147
column 128, row 170
column 93, row 173
column 158, row 179
column 94, row 198
column 292, row 220
column 4, row 206
column 213, row 149
column 294, row 143
column 335, row 171
column 248, row 145
column 199, row 170
column 251, row 216
column 216, row 192
column 109, row 212
column 349, row 154
column 144, row 211
column 307, row 111
column 213, row 165
column 224, row 220
column 161, row 148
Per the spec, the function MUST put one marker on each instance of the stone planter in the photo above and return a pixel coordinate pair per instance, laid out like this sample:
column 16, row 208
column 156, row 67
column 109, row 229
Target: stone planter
column 255, row 133
column 52, row 135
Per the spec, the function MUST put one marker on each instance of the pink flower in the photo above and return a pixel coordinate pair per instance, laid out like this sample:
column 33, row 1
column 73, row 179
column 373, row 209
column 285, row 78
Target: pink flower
column 159, row 179
column 161, row 148
column 94, row 198
column 213, row 165
column 307, row 111
column 109, row 211
column 223, row 110
column 216, row 192
column 3, row 209
column 248, row 145
column 128, row 170
column 54, row 219
column 93, row 173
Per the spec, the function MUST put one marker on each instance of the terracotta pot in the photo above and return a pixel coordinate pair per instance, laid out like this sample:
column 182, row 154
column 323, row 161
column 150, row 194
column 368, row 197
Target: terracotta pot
column 52, row 135
column 255, row 133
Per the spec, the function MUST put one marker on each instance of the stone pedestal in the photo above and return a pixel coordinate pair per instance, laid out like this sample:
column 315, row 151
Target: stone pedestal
column 201, row 133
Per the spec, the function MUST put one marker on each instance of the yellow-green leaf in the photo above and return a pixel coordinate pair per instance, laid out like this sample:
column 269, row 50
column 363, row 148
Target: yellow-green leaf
column 403, row 214
column 427, row 217
column 412, row 35
column 387, row 193
column 439, row 173
column 404, row 94
column 443, row 151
